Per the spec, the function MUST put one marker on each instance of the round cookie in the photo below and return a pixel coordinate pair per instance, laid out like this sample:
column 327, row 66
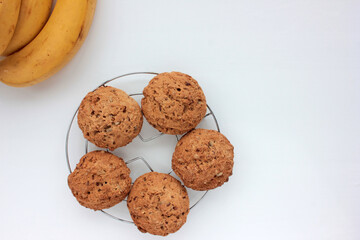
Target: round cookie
column 173, row 103
column 100, row 180
column 109, row 118
column 158, row 204
column 203, row 159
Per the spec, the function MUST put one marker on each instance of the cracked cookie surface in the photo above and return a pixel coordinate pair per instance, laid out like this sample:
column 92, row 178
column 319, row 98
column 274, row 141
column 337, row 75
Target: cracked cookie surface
column 100, row 180
column 203, row 159
column 158, row 203
column 109, row 118
column 173, row 103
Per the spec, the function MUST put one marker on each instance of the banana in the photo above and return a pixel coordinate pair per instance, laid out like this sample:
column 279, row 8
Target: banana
column 32, row 18
column 59, row 40
column 9, row 13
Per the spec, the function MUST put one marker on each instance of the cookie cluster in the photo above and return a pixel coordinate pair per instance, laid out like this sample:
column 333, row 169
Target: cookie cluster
column 173, row 103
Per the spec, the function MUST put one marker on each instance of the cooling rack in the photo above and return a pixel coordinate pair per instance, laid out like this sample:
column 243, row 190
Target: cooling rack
column 74, row 140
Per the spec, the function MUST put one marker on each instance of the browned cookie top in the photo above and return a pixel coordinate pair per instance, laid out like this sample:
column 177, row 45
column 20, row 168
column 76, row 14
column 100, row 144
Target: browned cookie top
column 203, row 159
column 100, row 180
column 158, row 203
column 109, row 118
column 173, row 103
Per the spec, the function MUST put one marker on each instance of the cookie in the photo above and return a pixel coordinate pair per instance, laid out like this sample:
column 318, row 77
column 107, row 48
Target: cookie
column 100, row 180
column 173, row 103
column 109, row 118
column 203, row 159
column 158, row 204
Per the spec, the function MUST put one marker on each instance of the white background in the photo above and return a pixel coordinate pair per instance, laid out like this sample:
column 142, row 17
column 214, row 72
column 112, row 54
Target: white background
column 282, row 76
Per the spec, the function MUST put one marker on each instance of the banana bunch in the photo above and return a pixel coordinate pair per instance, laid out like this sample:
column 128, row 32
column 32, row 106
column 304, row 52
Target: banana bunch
column 36, row 46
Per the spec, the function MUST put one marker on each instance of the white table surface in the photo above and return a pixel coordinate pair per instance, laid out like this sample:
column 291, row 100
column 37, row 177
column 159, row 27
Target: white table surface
column 283, row 78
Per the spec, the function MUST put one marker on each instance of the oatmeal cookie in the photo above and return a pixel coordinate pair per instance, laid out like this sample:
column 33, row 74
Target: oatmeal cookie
column 100, row 180
column 158, row 204
column 109, row 118
column 203, row 159
column 173, row 103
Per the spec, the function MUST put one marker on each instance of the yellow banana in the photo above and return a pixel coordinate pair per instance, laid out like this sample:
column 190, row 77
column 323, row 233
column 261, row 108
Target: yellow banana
column 32, row 18
column 9, row 13
column 53, row 47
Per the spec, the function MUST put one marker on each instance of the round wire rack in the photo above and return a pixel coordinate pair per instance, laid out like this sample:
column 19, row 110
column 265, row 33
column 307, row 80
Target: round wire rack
column 143, row 139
